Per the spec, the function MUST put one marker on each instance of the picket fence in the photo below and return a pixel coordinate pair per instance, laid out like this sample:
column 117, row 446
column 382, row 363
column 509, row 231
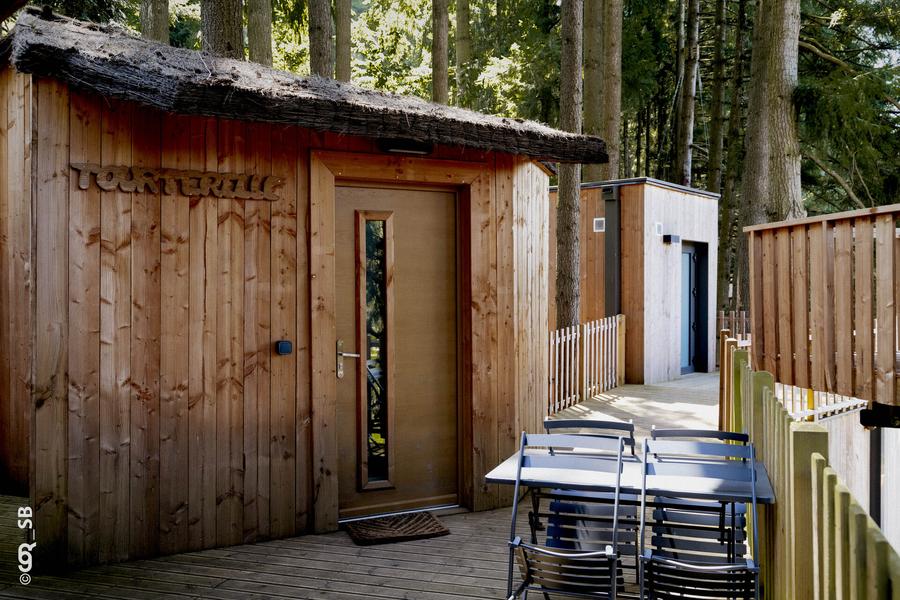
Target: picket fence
column 585, row 360
column 817, row 541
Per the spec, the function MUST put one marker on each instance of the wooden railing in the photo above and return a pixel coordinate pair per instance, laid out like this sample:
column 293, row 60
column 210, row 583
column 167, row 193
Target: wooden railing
column 801, row 403
column 824, row 298
column 735, row 321
column 816, row 541
column 586, row 360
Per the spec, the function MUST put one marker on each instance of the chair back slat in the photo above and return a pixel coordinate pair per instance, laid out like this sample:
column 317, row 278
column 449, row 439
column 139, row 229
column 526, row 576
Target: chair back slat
column 683, row 448
column 694, row 434
column 593, row 427
column 663, row 581
column 572, row 441
column 730, row 471
column 570, row 461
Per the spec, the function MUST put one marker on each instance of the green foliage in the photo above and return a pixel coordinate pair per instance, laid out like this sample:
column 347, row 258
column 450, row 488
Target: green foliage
column 392, row 46
column 844, row 99
column 184, row 23
column 98, row 11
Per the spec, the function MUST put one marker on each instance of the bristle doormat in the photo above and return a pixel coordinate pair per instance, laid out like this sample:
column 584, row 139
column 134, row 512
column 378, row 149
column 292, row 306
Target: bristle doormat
column 397, row 528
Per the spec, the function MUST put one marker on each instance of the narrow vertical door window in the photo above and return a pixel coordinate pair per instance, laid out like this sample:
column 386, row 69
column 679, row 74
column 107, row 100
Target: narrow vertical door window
column 375, row 273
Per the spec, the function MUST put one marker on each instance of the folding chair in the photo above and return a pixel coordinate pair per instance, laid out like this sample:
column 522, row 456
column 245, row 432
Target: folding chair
column 680, row 509
column 604, row 500
column 569, row 563
column 692, row 553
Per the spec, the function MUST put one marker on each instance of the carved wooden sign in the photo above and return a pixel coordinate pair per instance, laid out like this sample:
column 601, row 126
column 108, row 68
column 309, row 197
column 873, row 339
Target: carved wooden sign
column 173, row 181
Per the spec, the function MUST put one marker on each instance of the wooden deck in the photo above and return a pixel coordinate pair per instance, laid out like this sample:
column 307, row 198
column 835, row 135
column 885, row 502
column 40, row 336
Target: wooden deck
column 469, row 563
column 691, row 401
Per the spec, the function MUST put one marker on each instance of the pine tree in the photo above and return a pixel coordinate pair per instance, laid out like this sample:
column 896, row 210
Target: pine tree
column 321, row 38
column 221, row 23
column 155, row 20
column 439, row 51
column 343, row 21
column 259, row 31
column 568, row 212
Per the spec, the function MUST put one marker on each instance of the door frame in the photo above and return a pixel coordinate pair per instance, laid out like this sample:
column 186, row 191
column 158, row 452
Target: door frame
column 473, row 182
column 700, row 254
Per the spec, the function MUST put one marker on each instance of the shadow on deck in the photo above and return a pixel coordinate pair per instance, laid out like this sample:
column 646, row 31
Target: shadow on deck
column 691, row 401
column 469, row 563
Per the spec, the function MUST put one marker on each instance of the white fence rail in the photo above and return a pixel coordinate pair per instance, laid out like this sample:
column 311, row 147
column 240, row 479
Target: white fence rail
column 585, row 360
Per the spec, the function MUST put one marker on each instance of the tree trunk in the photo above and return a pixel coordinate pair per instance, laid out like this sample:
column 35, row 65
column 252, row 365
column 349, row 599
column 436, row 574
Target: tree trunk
column 684, row 138
column 440, row 23
column 463, row 54
column 785, row 201
column 680, row 12
column 638, row 138
column 221, row 27
column 661, row 119
column 568, row 213
column 155, row 20
column 321, row 38
column 611, row 82
column 343, row 17
column 756, row 138
column 732, row 246
column 259, row 31
column 593, row 80
column 717, row 105
column 647, row 122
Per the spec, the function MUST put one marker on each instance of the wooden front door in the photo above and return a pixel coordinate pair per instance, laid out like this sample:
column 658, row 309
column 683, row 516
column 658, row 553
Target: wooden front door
column 396, row 307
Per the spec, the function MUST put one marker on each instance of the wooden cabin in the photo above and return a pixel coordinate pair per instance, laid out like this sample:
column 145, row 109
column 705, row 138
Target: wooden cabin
column 238, row 304
column 648, row 251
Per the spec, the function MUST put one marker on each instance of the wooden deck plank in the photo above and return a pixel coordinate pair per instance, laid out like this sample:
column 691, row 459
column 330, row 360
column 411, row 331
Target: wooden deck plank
column 469, row 563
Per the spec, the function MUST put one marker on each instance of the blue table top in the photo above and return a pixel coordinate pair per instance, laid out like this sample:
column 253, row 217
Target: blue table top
column 697, row 484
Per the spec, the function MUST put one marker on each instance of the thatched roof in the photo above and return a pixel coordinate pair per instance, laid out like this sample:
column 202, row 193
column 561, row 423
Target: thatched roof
column 112, row 62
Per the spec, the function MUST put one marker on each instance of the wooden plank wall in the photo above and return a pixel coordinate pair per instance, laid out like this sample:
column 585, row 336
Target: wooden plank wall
column 693, row 218
column 163, row 420
column 845, row 266
column 171, row 426
column 532, row 334
column 593, row 257
column 631, row 198
column 16, row 281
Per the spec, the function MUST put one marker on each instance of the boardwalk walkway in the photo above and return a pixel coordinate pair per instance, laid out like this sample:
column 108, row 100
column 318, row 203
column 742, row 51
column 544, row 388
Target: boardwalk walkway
column 691, row 401
column 469, row 563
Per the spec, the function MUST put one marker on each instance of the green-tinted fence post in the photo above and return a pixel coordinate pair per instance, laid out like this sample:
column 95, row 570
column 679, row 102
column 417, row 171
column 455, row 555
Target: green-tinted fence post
column 894, row 570
column 741, row 359
column 858, row 528
column 877, row 552
column 818, row 514
column 842, row 541
column 762, row 382
column 829, row 534
column 805, row 439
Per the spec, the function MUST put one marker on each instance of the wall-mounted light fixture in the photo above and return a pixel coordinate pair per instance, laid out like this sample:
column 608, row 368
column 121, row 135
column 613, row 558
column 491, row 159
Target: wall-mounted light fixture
column 671, row 238
column 405, row 146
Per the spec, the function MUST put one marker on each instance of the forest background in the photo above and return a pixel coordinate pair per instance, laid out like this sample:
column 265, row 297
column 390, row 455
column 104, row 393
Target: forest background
column 668, row 84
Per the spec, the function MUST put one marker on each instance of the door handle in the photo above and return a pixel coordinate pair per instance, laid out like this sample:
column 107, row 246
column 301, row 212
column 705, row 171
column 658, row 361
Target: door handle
column 339, row 366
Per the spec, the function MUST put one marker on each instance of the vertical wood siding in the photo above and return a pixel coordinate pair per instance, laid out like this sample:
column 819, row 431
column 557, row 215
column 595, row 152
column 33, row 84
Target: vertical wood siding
column 16, row 280
column 593, row 257
column 163, row 421
column 846, row 341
